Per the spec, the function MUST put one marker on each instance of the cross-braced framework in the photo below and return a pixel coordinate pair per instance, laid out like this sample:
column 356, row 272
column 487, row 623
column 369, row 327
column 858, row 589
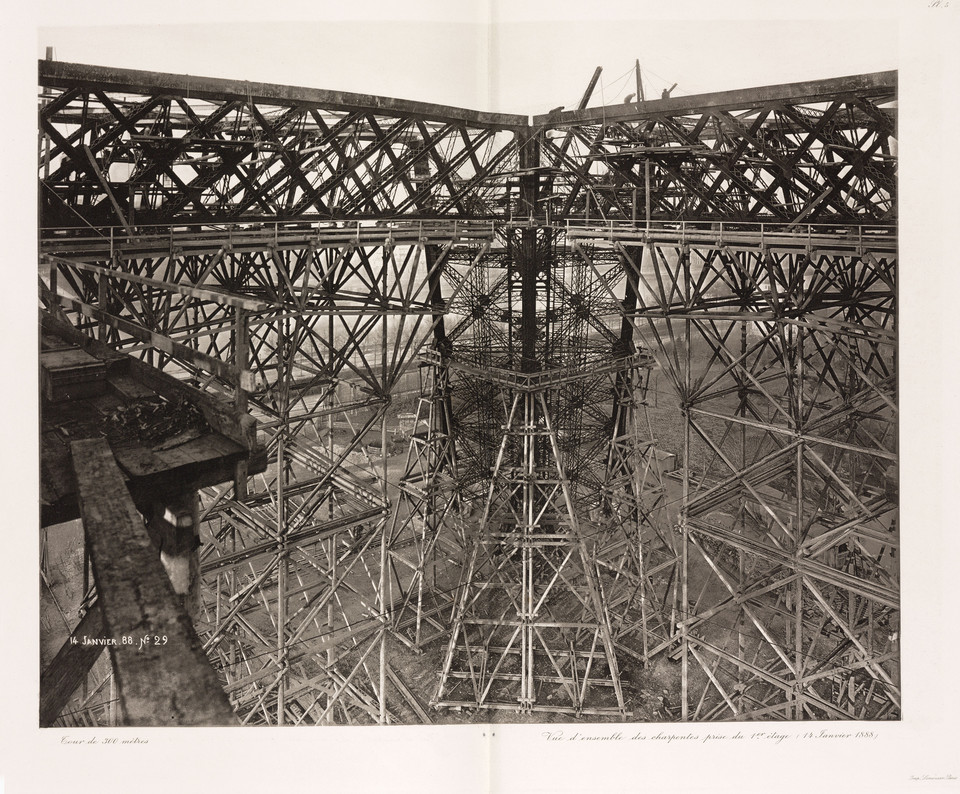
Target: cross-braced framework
column 814, row 152
column 292, row 563
column 782, row 358
column 304, row 252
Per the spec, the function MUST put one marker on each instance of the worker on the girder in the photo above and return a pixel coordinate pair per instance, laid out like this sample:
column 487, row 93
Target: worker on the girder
column 665, row 94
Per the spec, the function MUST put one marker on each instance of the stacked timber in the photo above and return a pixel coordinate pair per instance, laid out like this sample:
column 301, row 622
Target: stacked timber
column 69, row 373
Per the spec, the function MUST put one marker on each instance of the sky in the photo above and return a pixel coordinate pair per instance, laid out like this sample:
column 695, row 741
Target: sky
column 494, row 58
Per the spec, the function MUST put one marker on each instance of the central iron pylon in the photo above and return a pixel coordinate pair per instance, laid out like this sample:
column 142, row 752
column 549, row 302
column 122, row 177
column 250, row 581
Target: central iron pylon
column 557, row 502
column 654, row 349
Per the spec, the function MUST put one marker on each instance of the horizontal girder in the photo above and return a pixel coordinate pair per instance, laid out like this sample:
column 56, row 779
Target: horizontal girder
column 877, row 84
column 60, row 74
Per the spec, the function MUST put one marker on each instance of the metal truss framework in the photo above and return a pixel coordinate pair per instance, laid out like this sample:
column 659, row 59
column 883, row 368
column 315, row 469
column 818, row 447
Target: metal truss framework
column 782, row 356
column 302, row 251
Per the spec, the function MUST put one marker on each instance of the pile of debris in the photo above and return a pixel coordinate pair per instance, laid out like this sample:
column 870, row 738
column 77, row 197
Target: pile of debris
column 153, row 419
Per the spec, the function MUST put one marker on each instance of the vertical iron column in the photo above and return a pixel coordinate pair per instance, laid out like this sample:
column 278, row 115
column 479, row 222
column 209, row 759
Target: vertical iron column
column 529, row 261
column 528, row 270
column 440, row 340
column 626, row 345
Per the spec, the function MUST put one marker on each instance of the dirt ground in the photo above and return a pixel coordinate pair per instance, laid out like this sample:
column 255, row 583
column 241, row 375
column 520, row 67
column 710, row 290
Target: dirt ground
column 652, row 694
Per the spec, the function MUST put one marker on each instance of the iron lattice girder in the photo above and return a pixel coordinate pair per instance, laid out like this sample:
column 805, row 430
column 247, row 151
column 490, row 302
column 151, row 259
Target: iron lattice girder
column 878, row 84
column 176, row 150
column 59, row 74
column 125, row 147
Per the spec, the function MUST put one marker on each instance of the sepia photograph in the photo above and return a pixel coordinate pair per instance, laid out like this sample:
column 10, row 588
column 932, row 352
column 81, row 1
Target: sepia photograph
column 484, row 374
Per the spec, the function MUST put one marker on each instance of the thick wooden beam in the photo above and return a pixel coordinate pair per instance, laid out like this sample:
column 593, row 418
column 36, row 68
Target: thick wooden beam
column 163, row 675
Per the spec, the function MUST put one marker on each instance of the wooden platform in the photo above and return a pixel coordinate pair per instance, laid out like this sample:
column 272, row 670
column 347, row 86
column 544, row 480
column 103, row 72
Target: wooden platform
column 166, row 436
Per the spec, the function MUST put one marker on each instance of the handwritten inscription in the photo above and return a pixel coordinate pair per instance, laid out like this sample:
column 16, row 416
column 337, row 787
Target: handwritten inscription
column 125, row 639
column 668, row 737
column 102, row 740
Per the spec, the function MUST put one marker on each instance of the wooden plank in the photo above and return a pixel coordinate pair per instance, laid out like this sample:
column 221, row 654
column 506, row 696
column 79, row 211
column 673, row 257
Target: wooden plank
column 129, row 389
column 188, row 455
column 71, row 373
column 222, row 417
column 49, row 342
column 70, row 358
column 69, row 667
column 408, row 695
column 200, row 463
column 138, row 461
column 168, row 682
